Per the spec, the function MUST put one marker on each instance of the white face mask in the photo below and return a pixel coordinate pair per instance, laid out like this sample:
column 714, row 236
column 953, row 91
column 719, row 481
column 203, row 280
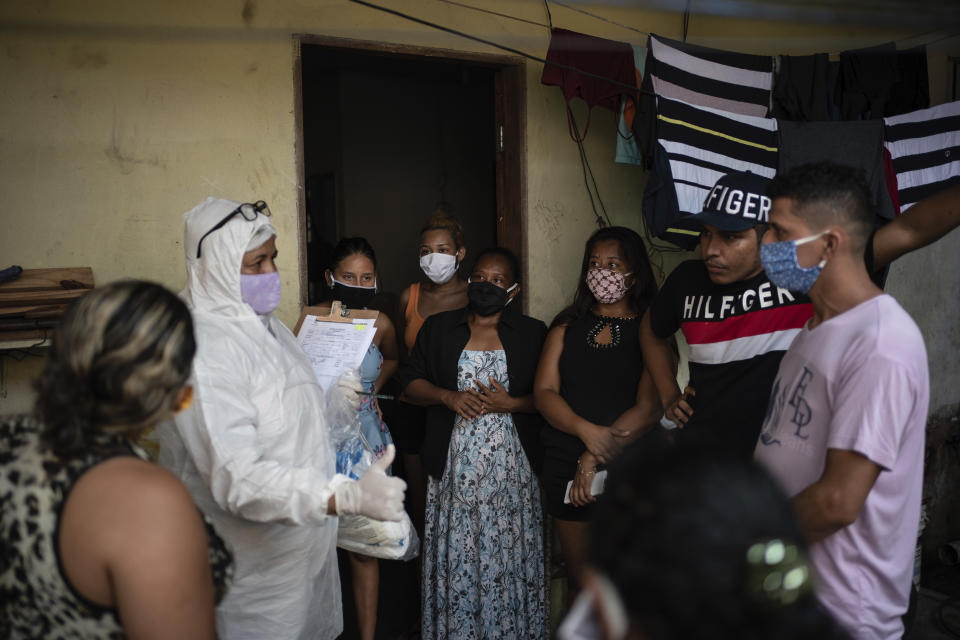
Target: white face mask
column 439, row 267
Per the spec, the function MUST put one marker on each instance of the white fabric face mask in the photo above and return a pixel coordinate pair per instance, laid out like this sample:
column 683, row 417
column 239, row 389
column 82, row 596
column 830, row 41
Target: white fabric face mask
column 439, row 267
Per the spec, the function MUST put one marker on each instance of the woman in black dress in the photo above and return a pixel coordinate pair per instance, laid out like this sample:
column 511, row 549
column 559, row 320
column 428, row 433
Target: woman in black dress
column 591, row 384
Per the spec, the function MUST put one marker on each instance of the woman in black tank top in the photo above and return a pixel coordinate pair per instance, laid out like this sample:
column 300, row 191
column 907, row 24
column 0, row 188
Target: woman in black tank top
column 591, row 385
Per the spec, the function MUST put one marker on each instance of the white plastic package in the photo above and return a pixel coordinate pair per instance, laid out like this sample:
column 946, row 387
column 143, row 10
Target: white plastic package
column 357, row 533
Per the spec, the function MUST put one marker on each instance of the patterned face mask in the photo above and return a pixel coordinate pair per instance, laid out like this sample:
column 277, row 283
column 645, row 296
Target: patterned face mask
column 779, row 261
column 606, row 285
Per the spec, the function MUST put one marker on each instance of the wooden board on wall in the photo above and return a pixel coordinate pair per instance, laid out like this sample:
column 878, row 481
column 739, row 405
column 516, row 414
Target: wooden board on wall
column 46, row 279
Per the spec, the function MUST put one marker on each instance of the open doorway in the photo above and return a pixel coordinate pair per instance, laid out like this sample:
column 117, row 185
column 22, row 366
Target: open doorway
column 387, row 133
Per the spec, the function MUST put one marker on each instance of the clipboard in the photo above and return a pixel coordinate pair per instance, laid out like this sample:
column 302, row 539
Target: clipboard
column 337, row 313
column 335, row 340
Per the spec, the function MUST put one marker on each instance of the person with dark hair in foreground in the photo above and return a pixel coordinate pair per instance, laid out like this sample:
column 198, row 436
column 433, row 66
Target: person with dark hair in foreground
column 95, row 541
column 845, row 425
column 691, row 544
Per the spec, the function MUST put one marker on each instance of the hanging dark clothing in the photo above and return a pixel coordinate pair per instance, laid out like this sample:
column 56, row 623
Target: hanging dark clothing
column 800, row 88
column 607, row 58
column 661, row 212
column 855, row 144
column 866, row 78
column 912, row 91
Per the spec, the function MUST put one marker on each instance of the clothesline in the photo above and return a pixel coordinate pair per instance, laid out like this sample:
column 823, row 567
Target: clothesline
column 529, row 56
column 634, row 29
column 496, row 45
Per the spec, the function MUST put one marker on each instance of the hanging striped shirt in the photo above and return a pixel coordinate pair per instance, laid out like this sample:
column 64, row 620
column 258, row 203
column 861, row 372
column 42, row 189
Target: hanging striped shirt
column 734, row 82
column 925, row 147
column 704, row 144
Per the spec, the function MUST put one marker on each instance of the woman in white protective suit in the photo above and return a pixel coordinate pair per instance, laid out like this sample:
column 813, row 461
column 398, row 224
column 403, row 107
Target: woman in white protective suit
column 253, row 449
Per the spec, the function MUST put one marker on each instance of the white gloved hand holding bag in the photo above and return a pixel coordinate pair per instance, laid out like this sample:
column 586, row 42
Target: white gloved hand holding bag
column 375, row 495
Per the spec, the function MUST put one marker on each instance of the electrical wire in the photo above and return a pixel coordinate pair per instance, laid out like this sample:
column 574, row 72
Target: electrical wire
column 546, row 5
column 528, row 56
column 497, row 45
column 599, row 17
column 494, row 13
column 604, row 220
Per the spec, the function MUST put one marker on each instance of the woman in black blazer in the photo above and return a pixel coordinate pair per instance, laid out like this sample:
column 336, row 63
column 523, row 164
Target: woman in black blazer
column 473, row 368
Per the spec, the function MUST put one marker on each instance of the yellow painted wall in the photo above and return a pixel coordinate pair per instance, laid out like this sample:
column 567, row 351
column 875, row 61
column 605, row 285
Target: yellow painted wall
column 116, row 117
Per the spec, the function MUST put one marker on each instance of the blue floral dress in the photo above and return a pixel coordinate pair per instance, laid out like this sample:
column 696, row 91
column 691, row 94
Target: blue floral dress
column 483, row 562
column 373, row 429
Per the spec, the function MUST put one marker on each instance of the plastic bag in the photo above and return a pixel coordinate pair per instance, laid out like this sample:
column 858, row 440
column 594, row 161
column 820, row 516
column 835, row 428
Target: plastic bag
column 361, row 534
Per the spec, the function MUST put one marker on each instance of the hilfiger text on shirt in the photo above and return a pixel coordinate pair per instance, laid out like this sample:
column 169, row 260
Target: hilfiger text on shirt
column 718, row 307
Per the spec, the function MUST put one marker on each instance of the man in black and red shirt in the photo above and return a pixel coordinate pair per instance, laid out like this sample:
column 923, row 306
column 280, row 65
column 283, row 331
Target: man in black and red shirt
column 737, row 323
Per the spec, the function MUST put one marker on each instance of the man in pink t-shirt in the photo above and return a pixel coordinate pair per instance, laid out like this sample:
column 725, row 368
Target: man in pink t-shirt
column 844, row 431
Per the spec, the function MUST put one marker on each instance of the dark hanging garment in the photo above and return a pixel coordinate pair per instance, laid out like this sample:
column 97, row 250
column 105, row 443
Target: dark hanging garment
column 644, row 127
column 833, row 90
column 866, row 78
column 925, row 147
column 854, row 144
column 912, row 91
column 611, row 60
column 800, row 88
column 661, row 213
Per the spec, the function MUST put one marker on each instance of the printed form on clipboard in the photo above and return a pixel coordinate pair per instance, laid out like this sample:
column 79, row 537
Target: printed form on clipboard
column 335, row 339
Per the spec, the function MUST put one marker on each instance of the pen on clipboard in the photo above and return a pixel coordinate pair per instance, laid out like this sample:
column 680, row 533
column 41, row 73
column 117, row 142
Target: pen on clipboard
column 379, row 396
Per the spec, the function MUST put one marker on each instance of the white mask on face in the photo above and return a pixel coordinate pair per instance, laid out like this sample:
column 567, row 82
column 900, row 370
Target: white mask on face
column 439, row 267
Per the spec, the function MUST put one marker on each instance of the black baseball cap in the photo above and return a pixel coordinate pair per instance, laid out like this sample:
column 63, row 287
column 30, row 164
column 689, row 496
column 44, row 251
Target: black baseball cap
column 737, row 202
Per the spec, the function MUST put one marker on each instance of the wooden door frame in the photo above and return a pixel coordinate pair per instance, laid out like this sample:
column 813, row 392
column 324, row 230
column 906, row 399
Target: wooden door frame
column 510, row 110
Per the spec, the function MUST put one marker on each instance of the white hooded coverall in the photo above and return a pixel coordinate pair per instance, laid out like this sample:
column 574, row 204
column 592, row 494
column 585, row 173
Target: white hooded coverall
column 253, row 449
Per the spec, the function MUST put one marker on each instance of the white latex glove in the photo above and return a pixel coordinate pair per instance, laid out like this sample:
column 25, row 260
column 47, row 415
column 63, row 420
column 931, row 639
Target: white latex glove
column 348, row 388
column 375, row 495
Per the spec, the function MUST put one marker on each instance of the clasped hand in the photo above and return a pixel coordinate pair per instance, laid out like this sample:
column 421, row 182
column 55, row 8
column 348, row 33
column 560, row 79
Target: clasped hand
column 602, row 442
column 470, row 404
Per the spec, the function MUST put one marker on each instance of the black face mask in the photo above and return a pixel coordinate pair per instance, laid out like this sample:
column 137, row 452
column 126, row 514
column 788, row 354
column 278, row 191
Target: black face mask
column 352, row 297
column 486, row 299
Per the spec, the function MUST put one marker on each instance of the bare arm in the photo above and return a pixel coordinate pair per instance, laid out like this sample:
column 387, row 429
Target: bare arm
column 547, row 399
column 835, row 500
column 401, row 327
column 639, row 418
column 388, row 348
column 132, row 539
column 660, row 362
column 923, row 223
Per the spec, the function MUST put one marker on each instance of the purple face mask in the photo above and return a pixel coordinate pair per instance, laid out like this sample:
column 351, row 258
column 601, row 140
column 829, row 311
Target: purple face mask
column 261, row 291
